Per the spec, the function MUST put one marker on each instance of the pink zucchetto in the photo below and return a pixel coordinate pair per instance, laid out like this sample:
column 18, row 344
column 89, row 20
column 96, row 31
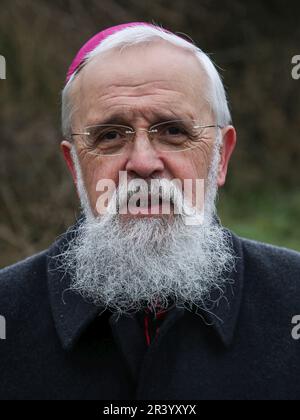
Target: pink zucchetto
column 93, row 43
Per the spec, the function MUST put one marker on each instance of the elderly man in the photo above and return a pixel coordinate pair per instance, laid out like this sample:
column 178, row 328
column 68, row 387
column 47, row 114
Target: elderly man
column 148, row 296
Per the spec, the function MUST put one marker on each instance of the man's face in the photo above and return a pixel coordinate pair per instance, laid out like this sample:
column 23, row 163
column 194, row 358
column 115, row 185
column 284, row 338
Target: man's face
column 143, row 86
column 147, row 260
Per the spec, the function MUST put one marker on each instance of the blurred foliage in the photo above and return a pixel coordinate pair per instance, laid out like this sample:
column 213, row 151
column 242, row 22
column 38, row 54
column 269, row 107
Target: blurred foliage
column 252, row 42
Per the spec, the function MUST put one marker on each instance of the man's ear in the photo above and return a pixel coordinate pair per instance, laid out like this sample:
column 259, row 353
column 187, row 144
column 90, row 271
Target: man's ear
column 66, row 148
column 228, row 146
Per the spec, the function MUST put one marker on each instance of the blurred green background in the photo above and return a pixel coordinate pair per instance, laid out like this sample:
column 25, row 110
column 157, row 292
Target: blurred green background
column 253, row 44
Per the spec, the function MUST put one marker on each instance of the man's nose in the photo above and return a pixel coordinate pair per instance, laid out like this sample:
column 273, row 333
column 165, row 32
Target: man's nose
column 143, row 160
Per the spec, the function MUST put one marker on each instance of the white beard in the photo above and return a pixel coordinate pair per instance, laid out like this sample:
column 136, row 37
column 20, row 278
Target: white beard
column 127, row 266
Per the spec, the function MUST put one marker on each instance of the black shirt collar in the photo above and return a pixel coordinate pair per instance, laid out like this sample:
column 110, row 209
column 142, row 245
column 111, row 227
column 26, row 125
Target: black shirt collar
column 73, row 315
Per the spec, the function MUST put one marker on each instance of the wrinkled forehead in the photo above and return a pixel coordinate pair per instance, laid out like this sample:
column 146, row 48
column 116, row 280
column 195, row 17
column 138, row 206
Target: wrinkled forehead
column 144, row 68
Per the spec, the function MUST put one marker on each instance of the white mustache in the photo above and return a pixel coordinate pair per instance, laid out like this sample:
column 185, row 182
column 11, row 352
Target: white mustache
column 153, row 192
column 157, row 189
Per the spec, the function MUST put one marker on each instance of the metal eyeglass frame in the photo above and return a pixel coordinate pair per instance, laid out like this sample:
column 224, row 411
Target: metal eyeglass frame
column 151, row 130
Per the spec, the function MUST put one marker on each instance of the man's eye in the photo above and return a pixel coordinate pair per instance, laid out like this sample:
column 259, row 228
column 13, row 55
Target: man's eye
column 111, row 135
column 174, row 131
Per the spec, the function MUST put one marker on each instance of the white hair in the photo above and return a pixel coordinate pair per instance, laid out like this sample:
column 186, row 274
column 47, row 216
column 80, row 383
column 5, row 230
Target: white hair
column 143, row 34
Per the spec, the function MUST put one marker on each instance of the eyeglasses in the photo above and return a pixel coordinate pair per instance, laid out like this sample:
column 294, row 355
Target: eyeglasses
column 169, row 136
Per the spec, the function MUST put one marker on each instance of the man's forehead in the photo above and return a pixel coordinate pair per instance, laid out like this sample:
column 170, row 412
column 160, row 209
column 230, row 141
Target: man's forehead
column 131, row 115
column 162, row 72
column 155, row 62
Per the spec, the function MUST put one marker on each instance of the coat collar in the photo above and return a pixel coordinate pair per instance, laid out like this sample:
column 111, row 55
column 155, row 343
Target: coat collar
column 223, row 314
column 72, row 314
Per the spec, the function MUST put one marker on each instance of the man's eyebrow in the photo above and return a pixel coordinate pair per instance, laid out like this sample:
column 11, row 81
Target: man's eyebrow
column 114, row 119
column 123, row 119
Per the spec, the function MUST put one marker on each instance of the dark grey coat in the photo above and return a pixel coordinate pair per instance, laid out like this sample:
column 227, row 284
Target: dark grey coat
column 59, row 347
